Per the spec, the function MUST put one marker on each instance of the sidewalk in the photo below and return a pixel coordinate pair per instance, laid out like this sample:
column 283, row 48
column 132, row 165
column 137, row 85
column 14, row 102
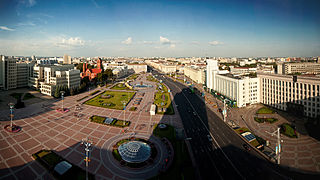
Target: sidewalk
column 300, row 153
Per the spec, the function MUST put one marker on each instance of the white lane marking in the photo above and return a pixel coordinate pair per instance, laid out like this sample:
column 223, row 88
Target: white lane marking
column 210, row 133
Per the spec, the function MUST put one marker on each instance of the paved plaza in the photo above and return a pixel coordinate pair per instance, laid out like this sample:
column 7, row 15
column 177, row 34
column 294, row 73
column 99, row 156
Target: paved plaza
column 44, row 128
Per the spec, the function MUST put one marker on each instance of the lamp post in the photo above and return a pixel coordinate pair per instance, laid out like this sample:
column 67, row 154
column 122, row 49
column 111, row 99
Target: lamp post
column 11, row 105
column 124, row 112
column 62, row 93
column 88, row 146
column 278, row 147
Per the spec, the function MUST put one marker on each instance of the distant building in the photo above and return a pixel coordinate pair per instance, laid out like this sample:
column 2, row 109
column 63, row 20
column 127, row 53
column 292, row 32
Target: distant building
column 138, row 68
column 196, row 74
column 292, row 68
column 91, row 73
column 242, row 70
column 66, row 59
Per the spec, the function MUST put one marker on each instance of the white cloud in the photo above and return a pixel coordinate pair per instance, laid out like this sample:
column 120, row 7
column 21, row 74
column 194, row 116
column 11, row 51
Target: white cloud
column 164, row 40
column 215, row 43
column 127, row 41
column 28, row 23
column 148, row 42
column 6, row 28
column 69, row 42
column 31, row 3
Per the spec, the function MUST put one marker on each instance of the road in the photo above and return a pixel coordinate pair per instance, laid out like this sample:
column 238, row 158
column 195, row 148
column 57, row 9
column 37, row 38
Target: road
column 221, row 155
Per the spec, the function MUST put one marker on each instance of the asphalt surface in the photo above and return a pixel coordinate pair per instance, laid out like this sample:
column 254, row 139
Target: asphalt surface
column 218, row 151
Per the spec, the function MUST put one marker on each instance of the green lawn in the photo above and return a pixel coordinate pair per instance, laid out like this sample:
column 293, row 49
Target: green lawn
column 269, row 120
column 288, row 130
column 151, row 78
column 181, row 167
column 116, row 123
column 28, row 96
column 133, row 77
column 163, row 100
column 265, row 110
column 120, row 86
column 114, row 102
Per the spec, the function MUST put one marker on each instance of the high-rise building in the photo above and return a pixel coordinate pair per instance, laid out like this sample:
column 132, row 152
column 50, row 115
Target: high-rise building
column 8, row 72
column 212, row 70
column 66, row 59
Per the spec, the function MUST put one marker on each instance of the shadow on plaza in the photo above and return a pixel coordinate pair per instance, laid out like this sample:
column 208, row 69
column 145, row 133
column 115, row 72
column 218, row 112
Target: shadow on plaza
column 211, row 161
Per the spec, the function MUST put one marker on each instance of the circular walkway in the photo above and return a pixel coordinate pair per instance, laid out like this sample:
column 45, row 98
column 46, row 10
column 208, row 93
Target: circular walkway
column 129, row 173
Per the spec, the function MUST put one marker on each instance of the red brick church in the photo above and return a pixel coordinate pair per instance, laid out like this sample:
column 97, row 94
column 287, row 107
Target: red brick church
column 91, row 73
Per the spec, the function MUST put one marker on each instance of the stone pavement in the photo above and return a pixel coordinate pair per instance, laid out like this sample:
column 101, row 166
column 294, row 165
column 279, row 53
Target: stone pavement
column 44, row 128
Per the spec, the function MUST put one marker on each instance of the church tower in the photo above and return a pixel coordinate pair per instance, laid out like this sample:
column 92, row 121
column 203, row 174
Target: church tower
column 99, row 64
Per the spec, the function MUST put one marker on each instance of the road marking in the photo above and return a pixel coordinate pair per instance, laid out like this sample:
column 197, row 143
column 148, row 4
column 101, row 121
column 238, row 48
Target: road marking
column 210, row 133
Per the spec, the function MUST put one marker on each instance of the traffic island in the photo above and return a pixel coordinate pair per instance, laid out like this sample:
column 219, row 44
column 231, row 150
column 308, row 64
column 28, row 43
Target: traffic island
column 13, row 129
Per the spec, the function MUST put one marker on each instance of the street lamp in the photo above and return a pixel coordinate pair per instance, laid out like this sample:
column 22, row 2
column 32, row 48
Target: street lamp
column 11, row 105
column 278, row 147
column 124, row 112
column 62, row 93
column 88, row 146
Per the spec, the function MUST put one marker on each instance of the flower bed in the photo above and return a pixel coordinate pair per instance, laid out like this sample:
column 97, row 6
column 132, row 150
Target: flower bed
column 262, row 120
column 115, row 122
column 288, row 130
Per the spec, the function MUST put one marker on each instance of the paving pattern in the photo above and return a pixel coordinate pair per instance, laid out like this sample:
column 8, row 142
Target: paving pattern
column 44, row 128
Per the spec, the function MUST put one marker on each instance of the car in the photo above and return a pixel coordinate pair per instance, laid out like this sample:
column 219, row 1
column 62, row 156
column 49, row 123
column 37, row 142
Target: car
column 209, row 137
column 246, row 147
column 194, row 113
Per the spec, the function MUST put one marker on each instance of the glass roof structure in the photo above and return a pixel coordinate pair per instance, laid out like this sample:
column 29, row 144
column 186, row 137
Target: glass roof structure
column 134, row 151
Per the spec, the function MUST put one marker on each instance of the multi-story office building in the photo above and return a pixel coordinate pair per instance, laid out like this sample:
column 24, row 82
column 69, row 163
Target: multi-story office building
column 240, row 90
column 305, row 68
column 8, row 72
column 47, row 77
column 14, row 74
column 296, row 94
column 196, row 74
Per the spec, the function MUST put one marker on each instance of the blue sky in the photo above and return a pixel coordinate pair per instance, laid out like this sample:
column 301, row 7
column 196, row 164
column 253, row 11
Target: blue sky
column 160, row 28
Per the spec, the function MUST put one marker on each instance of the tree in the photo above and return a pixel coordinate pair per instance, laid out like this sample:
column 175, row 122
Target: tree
column 72, row 91
column 57, row 91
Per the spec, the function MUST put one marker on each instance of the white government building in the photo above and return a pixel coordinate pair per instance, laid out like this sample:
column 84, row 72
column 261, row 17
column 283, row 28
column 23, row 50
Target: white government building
column 241, row 90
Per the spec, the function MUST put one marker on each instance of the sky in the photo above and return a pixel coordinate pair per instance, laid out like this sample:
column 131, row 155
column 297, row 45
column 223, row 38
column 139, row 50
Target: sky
column 166, row 28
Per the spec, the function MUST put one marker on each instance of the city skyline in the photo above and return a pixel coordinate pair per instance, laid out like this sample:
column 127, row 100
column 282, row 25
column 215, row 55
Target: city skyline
column 160, row 28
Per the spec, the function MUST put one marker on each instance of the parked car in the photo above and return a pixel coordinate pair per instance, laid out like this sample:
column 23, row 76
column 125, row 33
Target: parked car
column 209, row 137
